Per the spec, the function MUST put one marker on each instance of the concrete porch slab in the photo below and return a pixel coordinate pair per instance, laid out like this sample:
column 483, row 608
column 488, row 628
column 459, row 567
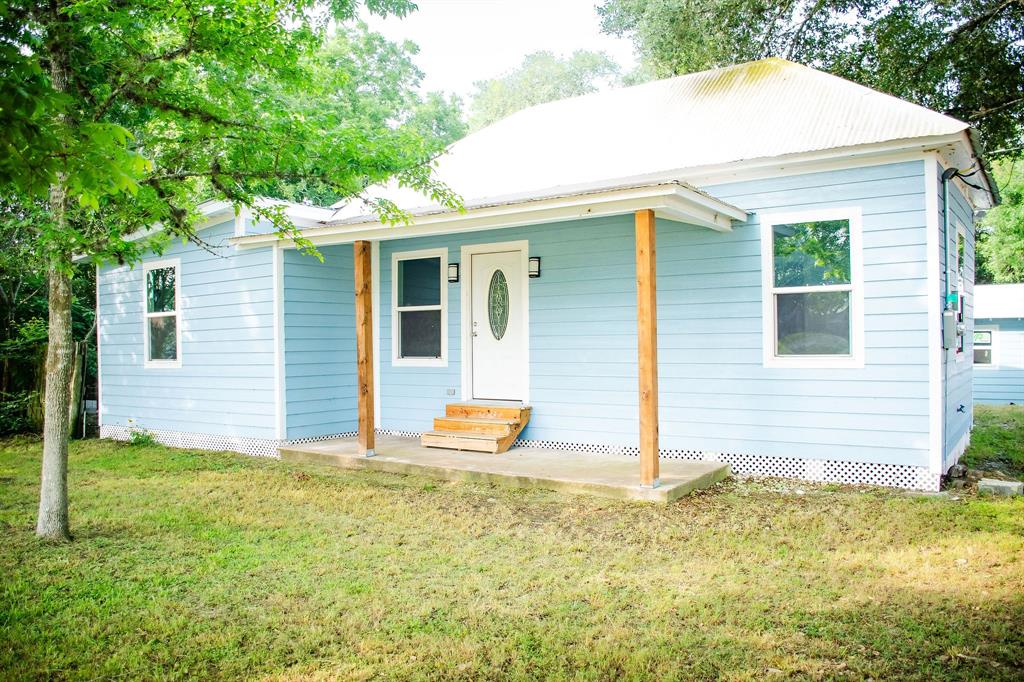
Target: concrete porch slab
column 615, row 476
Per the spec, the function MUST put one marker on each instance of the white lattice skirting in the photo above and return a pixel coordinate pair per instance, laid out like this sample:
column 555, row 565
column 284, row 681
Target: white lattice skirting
column 258, row 447
column 817, row 470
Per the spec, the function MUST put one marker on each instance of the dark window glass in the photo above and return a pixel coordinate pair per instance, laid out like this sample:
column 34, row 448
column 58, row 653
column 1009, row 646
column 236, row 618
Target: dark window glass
column 419, row 282
column 420, row 333
column 163, row 338
column 813, row 323
column 983, row 347
column 160, row 290
column 811, row 254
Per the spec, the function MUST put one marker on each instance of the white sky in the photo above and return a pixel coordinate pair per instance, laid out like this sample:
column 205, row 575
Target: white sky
column 462, row 41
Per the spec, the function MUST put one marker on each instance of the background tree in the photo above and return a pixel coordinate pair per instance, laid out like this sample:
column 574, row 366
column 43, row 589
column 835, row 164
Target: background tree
column 542, row 77
column 965, row 58
column 132, row 113
column 1001, row 233
column 23, row 310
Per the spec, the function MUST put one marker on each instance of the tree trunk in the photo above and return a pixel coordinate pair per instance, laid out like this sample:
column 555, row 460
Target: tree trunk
column 52, row 523
column 53, row 494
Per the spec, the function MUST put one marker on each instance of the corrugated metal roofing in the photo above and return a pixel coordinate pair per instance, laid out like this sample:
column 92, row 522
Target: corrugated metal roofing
column 998, row 301
column 760, row 109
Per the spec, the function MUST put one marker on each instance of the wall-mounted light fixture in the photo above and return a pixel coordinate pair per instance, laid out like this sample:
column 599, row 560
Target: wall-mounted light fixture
column 534, row 266
column 453, row 272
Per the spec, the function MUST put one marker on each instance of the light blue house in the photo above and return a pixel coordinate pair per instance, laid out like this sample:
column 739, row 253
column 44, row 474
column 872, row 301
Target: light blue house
column 808, row 233
column 999, row 344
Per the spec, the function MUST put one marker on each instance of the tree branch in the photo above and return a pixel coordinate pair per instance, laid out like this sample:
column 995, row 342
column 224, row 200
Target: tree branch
column 198, row 114
column 985, row 111
column 963, row 29
column 799, row 34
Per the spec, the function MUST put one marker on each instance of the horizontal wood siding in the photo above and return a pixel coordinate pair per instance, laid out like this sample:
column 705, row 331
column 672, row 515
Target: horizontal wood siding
column 225, row 385
column 1002, row 383
column 582, row 334
column 715, row 393
column 958, row 369
column 320, row 343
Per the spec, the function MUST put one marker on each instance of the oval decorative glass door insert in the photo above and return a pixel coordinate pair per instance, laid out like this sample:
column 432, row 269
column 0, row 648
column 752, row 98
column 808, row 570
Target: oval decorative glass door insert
column 497, row 304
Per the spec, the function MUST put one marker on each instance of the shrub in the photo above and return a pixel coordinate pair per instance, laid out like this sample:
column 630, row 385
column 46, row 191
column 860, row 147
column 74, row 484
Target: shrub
column 14, row 413
column 141, row 438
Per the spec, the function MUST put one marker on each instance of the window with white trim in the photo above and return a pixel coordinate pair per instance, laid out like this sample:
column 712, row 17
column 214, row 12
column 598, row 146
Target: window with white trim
column 984, row 345
column 419, row 292
column 162, row 324
column 812, row 289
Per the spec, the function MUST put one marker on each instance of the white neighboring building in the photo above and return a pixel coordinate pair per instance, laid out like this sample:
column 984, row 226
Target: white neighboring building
column 999, row 344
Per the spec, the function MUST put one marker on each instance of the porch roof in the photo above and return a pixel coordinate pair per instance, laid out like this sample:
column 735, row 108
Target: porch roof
column 672, row 200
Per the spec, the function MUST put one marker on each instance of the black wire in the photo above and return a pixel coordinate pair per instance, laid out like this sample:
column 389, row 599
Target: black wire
column 964, row 177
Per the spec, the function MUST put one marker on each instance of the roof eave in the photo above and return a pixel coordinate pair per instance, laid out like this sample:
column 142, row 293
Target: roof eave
column 974, row 139
column 671, row 201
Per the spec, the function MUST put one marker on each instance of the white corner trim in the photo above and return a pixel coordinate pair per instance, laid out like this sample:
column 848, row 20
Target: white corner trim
column 933, row 228
column 856, row 289
column 277, row 264
column 375, row 298
column 99, row 356
column 396, row 359
column 177, row 314
column 466, row 312
column 242, row 217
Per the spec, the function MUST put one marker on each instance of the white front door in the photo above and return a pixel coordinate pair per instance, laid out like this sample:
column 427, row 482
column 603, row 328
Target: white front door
column 498, row 330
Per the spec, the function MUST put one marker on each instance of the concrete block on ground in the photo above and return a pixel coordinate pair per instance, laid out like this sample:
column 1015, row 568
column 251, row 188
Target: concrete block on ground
column 994, row 486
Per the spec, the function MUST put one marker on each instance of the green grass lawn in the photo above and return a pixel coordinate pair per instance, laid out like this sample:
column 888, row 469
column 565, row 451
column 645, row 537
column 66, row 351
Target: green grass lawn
column 998, row 440
column 189, row 564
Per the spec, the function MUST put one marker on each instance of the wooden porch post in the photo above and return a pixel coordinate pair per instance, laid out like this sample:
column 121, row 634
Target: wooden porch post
column 647, row 345
column 364, row 347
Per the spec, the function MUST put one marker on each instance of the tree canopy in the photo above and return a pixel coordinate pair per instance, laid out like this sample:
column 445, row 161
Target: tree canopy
column 124, row 115
column 168, row 103
column 1000, row 246
column 965, row 59
column 542, row 77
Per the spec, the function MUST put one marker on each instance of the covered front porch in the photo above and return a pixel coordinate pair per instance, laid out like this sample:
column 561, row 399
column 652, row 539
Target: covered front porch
column 640, row 477
column 613, row 476
column 428, row 324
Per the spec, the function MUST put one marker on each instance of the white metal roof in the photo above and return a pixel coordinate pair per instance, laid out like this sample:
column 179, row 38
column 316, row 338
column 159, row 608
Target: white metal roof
column 762, row 109
column 994, row 301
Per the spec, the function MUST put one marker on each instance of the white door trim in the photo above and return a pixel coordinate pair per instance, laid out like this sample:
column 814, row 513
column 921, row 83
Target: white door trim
column 466, row 312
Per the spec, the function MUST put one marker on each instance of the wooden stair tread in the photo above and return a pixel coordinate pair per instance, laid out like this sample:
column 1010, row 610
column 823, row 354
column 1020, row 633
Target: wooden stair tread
column 482, row 420
column 477, row 411
column 467, row 435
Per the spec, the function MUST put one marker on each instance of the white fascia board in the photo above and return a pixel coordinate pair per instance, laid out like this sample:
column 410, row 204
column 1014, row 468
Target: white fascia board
column 671, row 201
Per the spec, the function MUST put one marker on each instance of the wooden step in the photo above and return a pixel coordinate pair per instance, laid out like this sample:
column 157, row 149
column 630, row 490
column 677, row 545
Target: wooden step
column 490, row 427
column 483, row 427
column 452, row 440
column 487, row 411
